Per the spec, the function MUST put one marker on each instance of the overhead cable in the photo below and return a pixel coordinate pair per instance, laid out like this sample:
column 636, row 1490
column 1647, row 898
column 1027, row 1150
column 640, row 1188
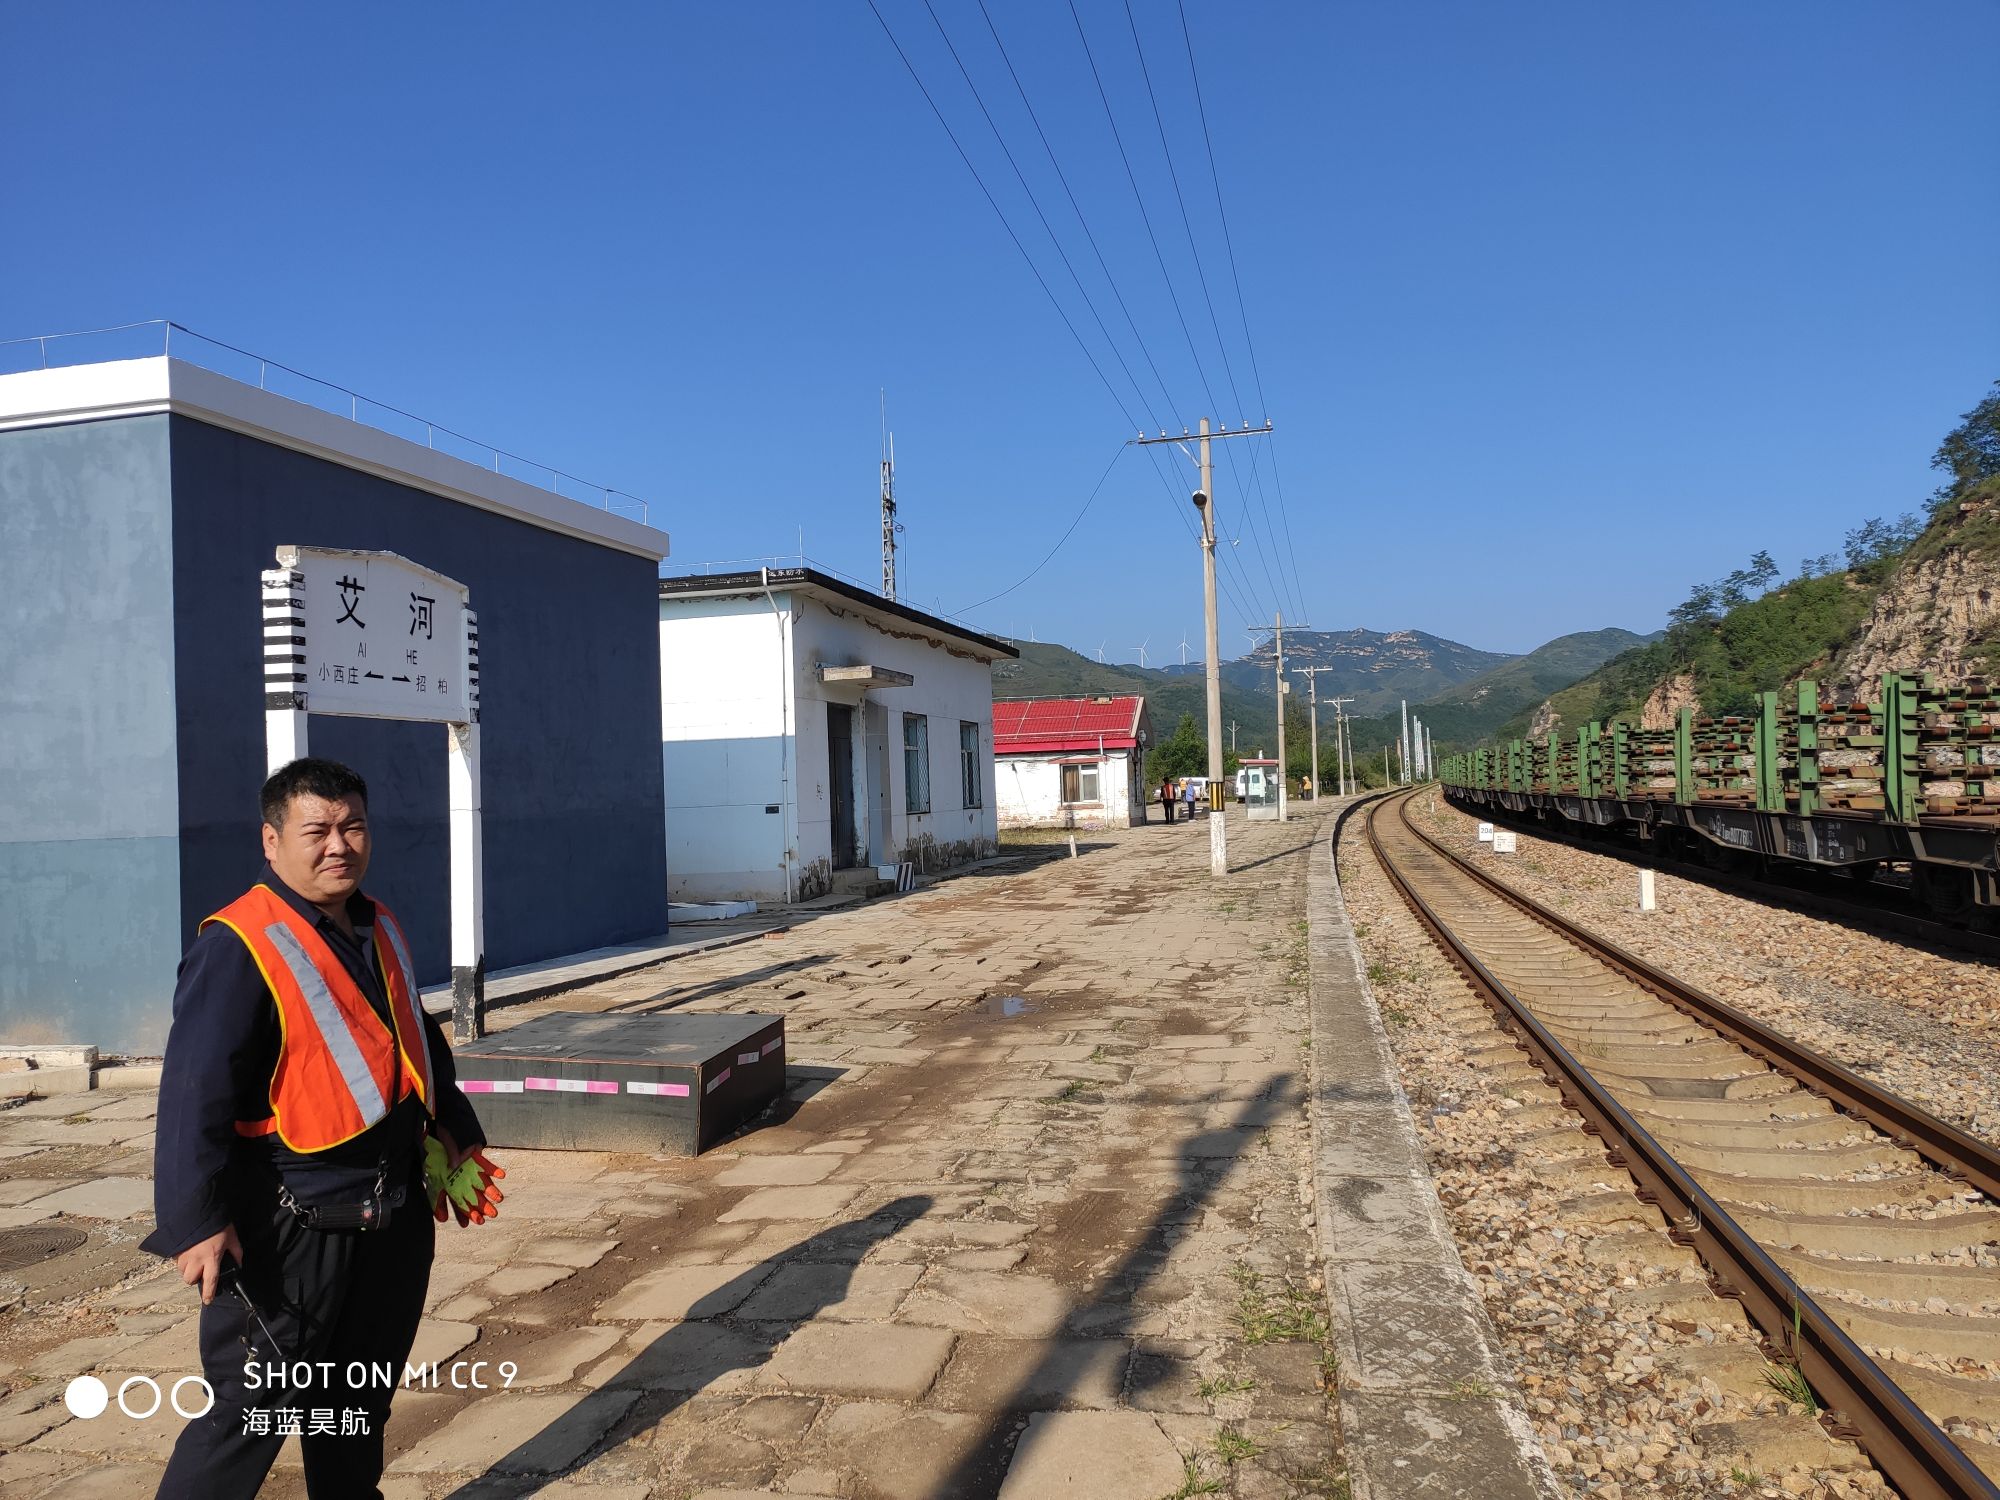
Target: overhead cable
column 1242, row 311
column 999, row 213
column 1208, row 300
column 1063, row 178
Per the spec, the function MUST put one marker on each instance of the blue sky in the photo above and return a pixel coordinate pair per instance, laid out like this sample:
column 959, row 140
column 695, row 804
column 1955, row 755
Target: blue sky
column 1557, row 307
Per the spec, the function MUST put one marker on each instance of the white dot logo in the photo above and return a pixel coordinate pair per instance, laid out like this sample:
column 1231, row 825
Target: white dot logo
column 86, row 1397
column 145, row 1382
column 206, row 1390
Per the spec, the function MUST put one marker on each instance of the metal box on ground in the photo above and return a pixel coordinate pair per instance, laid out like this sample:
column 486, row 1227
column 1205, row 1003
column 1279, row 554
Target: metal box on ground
column 576, row 1081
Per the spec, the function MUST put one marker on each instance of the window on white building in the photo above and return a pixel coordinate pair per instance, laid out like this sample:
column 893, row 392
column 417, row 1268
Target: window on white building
column 1079, row 783
column 916, row 763
column 969, row 779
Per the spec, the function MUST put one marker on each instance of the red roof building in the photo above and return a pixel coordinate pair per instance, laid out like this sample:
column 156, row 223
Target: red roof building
column 1070, row 762
column 1069, row 726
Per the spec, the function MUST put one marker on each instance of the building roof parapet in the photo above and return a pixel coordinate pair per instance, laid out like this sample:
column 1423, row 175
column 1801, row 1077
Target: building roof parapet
column 175, row 370
column 817, row 581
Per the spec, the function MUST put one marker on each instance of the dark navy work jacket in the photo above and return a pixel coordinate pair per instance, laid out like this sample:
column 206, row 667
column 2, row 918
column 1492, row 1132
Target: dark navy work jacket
column 221, row 1052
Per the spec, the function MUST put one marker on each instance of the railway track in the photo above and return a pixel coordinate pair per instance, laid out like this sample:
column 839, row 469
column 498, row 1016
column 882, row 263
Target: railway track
column 1841, row 1216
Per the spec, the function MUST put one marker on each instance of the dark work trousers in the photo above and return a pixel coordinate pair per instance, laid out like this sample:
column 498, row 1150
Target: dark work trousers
column 1167, row 807
column 343, row 1295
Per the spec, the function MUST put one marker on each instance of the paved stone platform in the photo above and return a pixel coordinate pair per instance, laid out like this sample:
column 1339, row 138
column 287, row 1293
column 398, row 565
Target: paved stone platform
column 1034, row 1219
column 1427, row 1407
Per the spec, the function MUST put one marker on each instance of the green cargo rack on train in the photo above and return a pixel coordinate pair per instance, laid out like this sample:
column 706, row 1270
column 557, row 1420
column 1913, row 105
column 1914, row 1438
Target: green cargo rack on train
column 1909, row 776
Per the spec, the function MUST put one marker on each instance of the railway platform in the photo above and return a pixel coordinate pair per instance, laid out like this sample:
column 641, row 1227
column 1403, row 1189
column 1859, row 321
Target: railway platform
column 1033, row 1220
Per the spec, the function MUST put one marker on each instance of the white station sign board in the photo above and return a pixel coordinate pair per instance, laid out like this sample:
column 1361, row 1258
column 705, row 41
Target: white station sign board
column 1485, row 833
column 384, row 638
column 375, row 636
column 1503, row 841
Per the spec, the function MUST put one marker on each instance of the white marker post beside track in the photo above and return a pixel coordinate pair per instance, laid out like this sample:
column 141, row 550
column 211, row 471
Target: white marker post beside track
column 375, row 636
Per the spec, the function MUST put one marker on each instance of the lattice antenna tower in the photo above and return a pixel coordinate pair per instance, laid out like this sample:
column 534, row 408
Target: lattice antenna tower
column 890, row 525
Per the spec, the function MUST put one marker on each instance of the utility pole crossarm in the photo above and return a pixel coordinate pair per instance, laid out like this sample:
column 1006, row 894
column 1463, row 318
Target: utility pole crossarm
column 1188, row 437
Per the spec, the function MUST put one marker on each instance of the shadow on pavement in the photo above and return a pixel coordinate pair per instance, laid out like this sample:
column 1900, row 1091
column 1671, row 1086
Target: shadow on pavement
column 1310, row 842
column 674, row 996
column 688, row 1357
column 1205, row 1162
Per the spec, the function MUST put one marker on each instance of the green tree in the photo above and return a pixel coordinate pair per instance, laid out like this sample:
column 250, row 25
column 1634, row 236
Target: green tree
column 1182, row 753
column 1971, row 450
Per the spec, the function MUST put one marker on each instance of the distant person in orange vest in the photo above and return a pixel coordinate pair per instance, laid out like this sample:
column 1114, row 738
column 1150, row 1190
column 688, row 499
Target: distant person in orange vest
column 1167, row 797
column 302, row 1079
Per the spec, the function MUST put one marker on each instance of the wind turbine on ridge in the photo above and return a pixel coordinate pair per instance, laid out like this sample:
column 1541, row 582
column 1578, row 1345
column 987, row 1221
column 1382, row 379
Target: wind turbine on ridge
column 1141, row 649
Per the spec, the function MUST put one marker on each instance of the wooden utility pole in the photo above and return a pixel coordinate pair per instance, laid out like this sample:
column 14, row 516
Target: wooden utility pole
column 1311, row 675
column 1284, row 687
column 1204, row 503
column 1340, row 739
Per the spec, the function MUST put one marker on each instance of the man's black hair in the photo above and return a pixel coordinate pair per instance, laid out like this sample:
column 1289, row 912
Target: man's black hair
column 309, row 777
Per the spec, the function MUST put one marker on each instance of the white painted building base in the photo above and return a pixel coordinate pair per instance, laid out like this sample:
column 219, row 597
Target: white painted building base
column 1029, row 792
column 708, row 911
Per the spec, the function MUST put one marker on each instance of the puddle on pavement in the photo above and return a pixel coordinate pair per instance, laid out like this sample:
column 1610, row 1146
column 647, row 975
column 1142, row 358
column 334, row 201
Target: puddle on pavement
column 1008, row 1005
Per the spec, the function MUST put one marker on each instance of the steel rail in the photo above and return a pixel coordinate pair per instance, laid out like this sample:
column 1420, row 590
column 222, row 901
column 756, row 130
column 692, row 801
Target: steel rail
column 1887, row 916
column 1910, row 1449
column 1953, row 1151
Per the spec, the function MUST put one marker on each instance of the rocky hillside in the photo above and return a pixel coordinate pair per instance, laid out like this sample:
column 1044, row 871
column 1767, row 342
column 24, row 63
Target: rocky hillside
column 1940, row 609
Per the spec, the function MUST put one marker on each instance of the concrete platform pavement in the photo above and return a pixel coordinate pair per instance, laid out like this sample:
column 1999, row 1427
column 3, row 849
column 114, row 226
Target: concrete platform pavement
column 1427, row 1405
column 1059, row 1246
column 536, row 981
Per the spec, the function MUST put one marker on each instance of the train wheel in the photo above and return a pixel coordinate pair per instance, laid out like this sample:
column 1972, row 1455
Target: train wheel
column 1946, row 891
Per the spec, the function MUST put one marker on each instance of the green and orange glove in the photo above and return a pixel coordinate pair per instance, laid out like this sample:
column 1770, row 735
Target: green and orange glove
column 473, row 1190
column 468, row 1191
column 436, row 1171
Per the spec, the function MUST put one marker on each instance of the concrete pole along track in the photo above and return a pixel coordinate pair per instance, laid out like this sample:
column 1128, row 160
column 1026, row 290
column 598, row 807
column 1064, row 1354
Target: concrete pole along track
column 1845, row 1219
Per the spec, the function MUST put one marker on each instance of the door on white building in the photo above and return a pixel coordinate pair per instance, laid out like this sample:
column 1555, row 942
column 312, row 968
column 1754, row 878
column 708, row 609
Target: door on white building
column 840, row 781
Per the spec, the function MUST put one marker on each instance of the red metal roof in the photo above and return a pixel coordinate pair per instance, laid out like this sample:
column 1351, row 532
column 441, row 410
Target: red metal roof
column 1057, row 726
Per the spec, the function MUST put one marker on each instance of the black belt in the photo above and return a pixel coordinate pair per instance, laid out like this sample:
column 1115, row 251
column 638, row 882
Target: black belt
column 372, row 1212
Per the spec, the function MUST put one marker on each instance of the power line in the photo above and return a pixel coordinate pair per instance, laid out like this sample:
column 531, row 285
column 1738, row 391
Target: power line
column 1035, row 270
column 1061, row 177
column 1159, row 256
column 1075, row 522
column 1201, row 277
column 1140, row 198
column 1040, row 280
column 1035, row 203
column 1242, row 311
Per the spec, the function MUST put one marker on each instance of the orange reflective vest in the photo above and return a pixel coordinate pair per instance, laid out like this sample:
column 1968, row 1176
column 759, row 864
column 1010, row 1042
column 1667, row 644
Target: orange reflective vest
column 340, row 1069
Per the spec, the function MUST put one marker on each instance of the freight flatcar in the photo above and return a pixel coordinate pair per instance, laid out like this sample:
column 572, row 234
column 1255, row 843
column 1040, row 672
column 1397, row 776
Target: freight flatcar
column 1911, row 777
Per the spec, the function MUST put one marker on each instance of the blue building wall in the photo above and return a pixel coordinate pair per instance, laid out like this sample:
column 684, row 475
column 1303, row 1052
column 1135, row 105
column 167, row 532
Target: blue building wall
column 569, row 695
column 90, row 913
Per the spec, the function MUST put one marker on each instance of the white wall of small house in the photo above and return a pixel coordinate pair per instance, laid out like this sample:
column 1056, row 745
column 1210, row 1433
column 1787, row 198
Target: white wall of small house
column 744, row 745
column 725, row 708
column 952, row 687
column 1031, row 793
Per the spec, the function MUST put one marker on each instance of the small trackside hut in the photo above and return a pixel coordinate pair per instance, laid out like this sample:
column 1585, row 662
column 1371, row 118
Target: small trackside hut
column 141, row 501
column 816, row 735
column 1071, row 762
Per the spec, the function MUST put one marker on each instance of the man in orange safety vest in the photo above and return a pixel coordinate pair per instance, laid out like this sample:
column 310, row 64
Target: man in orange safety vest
column 302, row 1078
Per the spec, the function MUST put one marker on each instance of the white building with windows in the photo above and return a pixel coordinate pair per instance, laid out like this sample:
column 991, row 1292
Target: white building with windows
column 814, row 733
column 1071, row 762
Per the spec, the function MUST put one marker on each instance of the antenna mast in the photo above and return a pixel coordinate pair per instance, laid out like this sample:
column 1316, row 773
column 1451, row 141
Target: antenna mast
column 890, row 526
